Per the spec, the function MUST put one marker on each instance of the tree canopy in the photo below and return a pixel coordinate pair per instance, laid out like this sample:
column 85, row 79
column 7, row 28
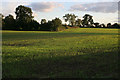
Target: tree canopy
column 10, row 22
column 43, row 21
column 71, row 18
column 87, row 20
column 25, row 21
column 23, row 13
column 23, row 17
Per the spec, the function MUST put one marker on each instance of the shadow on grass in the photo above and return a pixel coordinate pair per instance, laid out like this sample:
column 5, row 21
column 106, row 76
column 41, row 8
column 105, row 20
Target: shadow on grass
column 50, row 35
column 97, row 65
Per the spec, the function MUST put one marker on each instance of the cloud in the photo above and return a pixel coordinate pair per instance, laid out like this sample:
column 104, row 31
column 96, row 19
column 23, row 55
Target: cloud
column 35, row 14
column 116, row 0
column 9, row 7
column 45, row 6
column 104, row 7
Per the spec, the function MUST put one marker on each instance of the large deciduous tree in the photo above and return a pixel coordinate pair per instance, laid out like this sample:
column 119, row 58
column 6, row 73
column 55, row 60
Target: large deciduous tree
column 87, row 21
column 66, row 17
column 23, row 17
column 71, row 18
column 55, row 24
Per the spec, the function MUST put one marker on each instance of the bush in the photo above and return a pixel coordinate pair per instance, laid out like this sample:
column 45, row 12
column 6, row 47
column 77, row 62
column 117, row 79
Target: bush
column 61, row 28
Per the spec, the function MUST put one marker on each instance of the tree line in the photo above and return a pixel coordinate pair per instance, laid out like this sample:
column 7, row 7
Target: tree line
column 25, row 22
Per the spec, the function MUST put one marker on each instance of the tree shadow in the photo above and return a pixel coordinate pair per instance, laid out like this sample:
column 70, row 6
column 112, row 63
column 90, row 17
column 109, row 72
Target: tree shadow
column 97, row 65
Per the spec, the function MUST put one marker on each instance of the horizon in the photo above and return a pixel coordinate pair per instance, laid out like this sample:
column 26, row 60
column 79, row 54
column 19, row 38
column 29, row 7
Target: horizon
column 101, row 12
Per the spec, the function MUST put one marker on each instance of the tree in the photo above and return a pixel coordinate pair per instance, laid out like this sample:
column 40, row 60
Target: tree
column 55, row 24
column 66, row 17
column 10, row 23
column 115, row 25
column 1, row 16
column 45, row 26
column 70, row 18
column 51, row 25
column 43, row 21
column 103, row 25
column 109, row 25
column 97, row 25
column 23, row 17
column 87, row 21
column 1, row 21
column 78, row 22
column 34, row 25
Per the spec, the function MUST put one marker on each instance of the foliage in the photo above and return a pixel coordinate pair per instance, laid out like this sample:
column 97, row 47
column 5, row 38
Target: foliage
column 23, row 17
column 43, row 21
column 78, row 22
column 103, row 25
column 52, row 25
column 109, row 25
column 97, row 25
column 34, row 25
column 61, row 28
column 10, row 23
column 23, row 14
column 87, row 21
column 55, row 24
column 24, row 21
column 115, row 25
column 71, row 18
column 2, row 23
column 1, row 16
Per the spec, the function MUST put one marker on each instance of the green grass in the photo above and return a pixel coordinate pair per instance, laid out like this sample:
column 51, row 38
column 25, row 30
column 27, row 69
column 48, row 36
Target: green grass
column 72, row 53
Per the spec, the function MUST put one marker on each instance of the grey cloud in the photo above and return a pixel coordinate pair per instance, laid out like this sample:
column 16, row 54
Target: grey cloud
column 116, row 0
column 44, row 6
column 105, row 7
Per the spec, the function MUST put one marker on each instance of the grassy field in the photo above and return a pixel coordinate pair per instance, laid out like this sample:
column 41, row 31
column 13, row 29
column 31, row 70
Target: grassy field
column 72, row 53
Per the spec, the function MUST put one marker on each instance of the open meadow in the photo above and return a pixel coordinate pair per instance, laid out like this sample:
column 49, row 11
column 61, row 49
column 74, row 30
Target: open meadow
column 72, row 53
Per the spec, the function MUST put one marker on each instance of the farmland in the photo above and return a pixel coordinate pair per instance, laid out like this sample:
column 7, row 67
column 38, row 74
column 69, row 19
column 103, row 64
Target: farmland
column 72, row 53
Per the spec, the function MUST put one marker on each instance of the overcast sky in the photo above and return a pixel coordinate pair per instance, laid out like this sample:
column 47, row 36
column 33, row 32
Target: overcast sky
column 103, row 11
